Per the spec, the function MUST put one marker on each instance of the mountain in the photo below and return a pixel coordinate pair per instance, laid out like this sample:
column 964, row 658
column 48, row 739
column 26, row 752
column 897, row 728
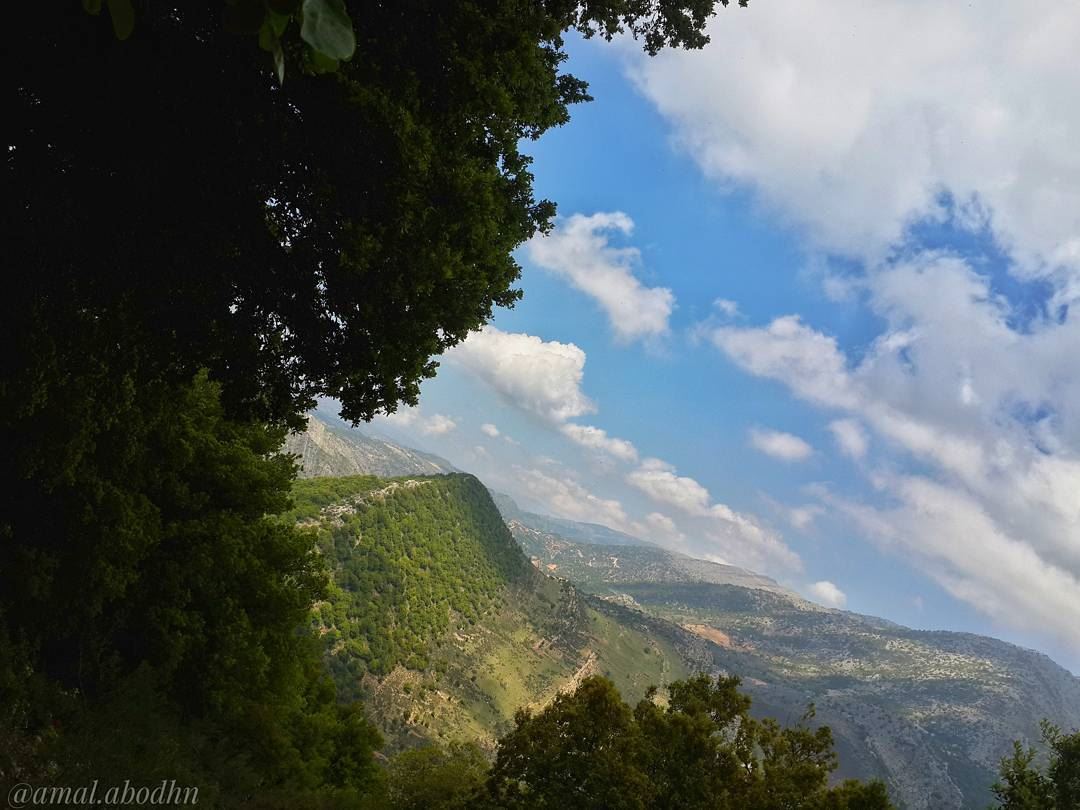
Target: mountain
column 930, row 712
column 440, row 624
column 327, row 448
column 597, row 566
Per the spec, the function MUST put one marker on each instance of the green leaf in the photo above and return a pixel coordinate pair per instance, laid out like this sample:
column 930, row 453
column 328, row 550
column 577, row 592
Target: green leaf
column 123, row 18
column 328, row 29
column 270, row 42
column 321, row 63
column 279, row 22
column 92, row 6
column 268, row 39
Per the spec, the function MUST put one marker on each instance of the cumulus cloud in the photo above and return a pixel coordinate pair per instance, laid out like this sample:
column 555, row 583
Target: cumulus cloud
column 850, row 437
column 987, row 409
column 658, row 480
column 974, row 556
column 490, row 430
column 658, row 526
column 437, row 425
column 595, row 438
column 540, row 377
column 568, row 499
column 856, row 131
column 828, row 594
column 780, row 445
column 788, row 350
column 579, row 250
column 415, row 419
column 726, row 307
column 732, row 535
column 899, row 112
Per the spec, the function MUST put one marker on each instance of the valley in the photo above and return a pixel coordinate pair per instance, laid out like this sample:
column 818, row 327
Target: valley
column 451, row 610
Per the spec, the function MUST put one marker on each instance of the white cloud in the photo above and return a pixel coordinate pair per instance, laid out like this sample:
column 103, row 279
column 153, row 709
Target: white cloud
column 780, row 445
column 855, row 131
column 732, row 535
column 726, row 307
column 828, row 594
column 579, row 250
column 437, row 425
column 855, row 134
column 658, row 480
column 987, row 412
column 850, row 437
column 803, row 517
column 490, row 430
column 595, row 438
column 658, row 526
column 567, row 498
column 974, row 557
column 788, row 350
column 538, row 376
column 414, row 418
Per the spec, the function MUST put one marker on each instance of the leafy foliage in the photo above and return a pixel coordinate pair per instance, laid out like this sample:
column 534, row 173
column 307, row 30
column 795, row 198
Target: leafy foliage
column 144, row 588
column 407, row 558
column 326, row 236
column 589, row 749
column 1023, row 785
column 437, row 778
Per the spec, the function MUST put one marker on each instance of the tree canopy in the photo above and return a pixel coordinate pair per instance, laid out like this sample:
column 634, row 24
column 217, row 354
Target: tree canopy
column 702, row 750
column 329, row 235
column 197, row 250
column 1054, row 784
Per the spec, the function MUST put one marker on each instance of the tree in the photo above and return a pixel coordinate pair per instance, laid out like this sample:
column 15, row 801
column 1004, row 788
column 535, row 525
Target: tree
column 198, row 251
column 1023, row 785
column 701, row 750
column 579, row 752
column 151, row 608
column 437, row 778
column 326, row 236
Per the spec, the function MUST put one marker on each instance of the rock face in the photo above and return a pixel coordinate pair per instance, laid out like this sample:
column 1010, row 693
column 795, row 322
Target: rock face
column 326, row 450
column 930, row 712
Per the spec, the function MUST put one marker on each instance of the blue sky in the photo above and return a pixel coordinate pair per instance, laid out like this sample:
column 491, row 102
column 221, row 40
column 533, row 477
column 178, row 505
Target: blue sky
column 882, row 410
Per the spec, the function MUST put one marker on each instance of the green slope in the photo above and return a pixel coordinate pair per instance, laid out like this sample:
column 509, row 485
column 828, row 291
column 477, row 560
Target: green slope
column 439, row 623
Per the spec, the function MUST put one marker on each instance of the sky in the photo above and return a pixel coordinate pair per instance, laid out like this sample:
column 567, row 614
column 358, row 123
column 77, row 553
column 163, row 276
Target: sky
column 807, row 308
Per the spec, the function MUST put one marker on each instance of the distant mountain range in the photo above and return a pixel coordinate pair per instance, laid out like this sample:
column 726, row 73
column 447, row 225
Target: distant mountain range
column 931, row 713
column 564, row 548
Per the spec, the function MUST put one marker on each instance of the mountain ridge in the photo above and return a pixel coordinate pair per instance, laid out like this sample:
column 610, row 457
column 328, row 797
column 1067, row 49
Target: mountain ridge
column 929, row 711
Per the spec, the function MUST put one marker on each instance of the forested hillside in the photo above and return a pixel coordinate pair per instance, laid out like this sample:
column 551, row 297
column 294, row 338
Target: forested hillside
column 932, row 713
column 437, row 621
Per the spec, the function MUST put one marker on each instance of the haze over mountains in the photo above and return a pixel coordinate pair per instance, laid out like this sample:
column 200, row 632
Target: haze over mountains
column 930, row 712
